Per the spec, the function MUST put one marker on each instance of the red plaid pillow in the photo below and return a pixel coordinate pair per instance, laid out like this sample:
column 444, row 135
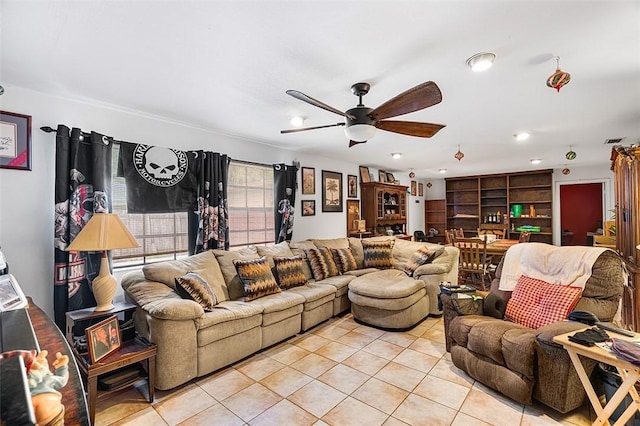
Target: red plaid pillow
column 535, row 303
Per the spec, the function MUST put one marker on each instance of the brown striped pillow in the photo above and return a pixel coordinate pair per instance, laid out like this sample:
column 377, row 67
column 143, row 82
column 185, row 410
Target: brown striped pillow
column 256, row 277
column 345, row 261
column 193, row 286
column 322, row 264
column 419, row 257
column 289, row 271
column 377, row 254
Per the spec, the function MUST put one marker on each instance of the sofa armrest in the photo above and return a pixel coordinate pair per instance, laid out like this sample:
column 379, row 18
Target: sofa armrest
column 545, row 334
column 431, row 269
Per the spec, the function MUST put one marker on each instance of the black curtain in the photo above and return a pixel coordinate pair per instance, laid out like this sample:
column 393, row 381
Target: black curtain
column 284, row 197
column 209, row 222
column 82, row 187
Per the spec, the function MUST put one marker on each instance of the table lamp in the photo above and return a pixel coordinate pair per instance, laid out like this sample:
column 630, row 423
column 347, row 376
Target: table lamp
column 104, row 231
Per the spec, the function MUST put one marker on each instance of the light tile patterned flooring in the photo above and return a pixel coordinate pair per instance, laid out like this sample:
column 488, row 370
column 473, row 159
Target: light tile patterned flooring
column 338, row 373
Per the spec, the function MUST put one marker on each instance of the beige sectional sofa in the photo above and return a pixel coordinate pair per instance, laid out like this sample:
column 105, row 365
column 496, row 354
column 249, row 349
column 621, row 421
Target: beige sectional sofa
column 192, row 342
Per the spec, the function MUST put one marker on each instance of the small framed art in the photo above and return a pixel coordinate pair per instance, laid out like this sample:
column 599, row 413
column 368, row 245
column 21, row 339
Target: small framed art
column 352, row 186
column 103, row 338
column 413, row 187
column 382, row 176
column 308, row 180
column 15, row 141
column 420, row 189
column 308, row 207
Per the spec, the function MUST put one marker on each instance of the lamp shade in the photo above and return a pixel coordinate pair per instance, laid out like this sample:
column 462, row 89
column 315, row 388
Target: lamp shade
column 104, row 231
column 360, row 132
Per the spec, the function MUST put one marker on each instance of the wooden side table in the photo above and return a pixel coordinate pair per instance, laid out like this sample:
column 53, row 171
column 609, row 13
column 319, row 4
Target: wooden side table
column 131, row 352
column 628, row 372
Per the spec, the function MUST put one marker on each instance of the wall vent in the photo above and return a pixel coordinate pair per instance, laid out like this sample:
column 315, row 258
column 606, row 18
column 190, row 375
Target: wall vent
column 613, row 141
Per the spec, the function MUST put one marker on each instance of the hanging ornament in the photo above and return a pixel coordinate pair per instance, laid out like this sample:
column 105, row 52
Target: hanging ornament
column 558, row 78
column 571, row 155
column 429, row 184
column 459, row 154
column 411, row 174
column 566, row 170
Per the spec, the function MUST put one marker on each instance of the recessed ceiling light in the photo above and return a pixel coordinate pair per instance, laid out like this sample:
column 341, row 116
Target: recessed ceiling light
column 442, row 171
column 481, row 61
column 522, row 136
column 396, row 155
column 297, row 121
column 536, row 161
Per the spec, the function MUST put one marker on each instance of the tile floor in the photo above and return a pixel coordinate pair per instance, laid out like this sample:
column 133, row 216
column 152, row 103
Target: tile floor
column 338, row 373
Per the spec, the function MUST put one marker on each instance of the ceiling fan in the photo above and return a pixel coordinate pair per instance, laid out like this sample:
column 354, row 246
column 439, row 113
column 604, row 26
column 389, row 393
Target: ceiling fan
column 362, row 122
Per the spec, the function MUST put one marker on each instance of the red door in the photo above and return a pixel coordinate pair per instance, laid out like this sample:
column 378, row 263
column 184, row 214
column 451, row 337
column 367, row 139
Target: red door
column 580, row 212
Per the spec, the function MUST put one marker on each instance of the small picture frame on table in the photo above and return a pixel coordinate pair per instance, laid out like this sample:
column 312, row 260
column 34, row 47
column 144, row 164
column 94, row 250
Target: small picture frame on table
column 15, row 141
column 103, row 338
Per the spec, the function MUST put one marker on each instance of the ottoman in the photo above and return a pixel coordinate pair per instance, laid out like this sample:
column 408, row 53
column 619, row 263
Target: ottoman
column 388, row 299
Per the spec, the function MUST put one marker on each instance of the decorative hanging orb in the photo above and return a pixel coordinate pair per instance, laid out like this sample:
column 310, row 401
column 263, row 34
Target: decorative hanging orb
column 571, row 155
column 459, row 154
column 411, row 174
column 429, row 184
column 566, row 171
column 559, row 78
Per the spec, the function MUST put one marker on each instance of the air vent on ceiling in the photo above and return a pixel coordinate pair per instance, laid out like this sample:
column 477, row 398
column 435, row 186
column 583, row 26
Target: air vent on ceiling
column 613, row 141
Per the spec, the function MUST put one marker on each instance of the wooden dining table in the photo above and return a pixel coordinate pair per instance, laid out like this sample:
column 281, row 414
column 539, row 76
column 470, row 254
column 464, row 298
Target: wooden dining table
column 500, row 247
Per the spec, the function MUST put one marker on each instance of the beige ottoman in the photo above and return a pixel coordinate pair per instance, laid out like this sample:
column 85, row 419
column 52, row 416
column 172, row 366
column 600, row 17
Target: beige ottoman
column 388, row 299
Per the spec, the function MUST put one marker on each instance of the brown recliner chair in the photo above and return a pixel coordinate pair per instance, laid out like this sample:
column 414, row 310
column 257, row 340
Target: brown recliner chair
column 524, row 363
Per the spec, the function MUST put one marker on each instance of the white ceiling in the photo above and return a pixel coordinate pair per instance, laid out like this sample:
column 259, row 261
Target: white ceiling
column 225, row 66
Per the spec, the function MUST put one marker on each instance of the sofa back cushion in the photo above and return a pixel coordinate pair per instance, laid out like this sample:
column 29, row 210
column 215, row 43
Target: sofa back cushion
column 193, row 286
column 289, row 272
column 281, row 249
column 256, row 278
column 225, row 259
column 300, row 248
column 535, row 303
column 355, row 244
column 377, row 254
column 344, row 260
column 204, row 264
column 330, row 243
column 322, row 264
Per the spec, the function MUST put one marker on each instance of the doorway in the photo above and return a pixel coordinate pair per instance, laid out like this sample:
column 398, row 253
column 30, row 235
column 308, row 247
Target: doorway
column 581, row 207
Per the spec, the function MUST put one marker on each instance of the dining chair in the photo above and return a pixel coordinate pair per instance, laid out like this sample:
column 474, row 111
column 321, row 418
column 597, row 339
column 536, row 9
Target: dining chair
column 524, row 236
column 499, row 233
column 458, row 233
column 449, row 237
column 473, row 265
column 419, row 236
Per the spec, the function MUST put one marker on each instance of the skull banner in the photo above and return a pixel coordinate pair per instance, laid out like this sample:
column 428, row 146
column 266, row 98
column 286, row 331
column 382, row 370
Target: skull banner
column 158, row 180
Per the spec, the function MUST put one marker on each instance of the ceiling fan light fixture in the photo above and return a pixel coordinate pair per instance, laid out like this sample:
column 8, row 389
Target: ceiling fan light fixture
column 522, row 136
column 297, row 121
column 481, row 61
column 360, row 132
column 396, row 155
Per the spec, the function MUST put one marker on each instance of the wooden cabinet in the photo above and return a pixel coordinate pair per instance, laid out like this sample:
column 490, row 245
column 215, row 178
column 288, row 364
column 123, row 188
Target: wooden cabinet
column 475, row 201
column 384, row 207
column 435, row 216
column 625, row 163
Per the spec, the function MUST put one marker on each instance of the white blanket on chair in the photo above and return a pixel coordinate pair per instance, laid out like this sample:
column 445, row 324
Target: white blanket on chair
column 569, row 265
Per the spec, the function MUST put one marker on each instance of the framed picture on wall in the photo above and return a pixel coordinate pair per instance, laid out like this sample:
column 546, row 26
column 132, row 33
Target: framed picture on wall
column 364, row 174
column 420, row 189
column 308, row 180
column 352, row 186
column 413, row 187
column 331, row 191
column 308, row 207
column 15, row 141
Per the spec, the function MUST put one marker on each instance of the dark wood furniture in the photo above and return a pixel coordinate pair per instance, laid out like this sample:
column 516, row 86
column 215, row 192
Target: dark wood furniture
column 625, row 163
column 384, row 206
column 51, row 338
column 473, row 202
column 435, row 216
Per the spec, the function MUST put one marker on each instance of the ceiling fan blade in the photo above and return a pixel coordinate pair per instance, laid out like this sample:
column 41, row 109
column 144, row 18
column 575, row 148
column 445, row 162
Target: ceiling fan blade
column 354, row 143
column 411, row 128
column 315, row 102
column 311, row 128
column 420, row 97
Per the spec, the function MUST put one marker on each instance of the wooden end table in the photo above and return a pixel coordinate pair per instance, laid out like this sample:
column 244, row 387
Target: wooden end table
column 628, row 372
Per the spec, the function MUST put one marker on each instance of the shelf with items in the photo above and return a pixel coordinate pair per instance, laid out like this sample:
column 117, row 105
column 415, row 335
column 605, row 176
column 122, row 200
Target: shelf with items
column 435, row 216
column 384, row 207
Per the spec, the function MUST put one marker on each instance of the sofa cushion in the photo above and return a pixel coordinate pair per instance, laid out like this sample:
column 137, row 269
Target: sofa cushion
column 281, row 249
column 279, row 307
column 193, row 286
column 535, row 303
column 377, row 254
column 256, row 277
column 227, row 319
column 355, row 244
column 421, row 256
column 332, row 243
column 300, row 248
column 322, row 264
column 203, row 264
column 225, row 259
column 289, row 271
column 344, row 259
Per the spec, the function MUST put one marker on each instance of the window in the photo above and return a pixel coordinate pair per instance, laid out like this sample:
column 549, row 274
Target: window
column 163, row 236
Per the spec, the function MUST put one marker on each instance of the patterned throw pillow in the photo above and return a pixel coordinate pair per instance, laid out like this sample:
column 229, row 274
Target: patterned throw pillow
column 322, row 264
column 377, row 254
column 535, row 303
column 345, row 261
column 289, row 271
column 257, row 278
column 193, row 286
column 419, row 257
